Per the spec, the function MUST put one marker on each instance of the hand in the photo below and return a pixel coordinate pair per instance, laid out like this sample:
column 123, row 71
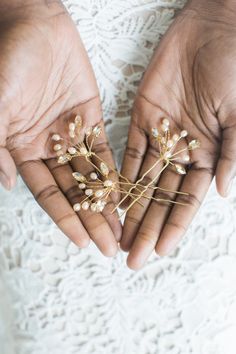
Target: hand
column 45, row 78
column 192, row 81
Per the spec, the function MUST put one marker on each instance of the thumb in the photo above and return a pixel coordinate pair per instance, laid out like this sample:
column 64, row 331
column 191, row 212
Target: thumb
column 226, row 167
column 7, row 169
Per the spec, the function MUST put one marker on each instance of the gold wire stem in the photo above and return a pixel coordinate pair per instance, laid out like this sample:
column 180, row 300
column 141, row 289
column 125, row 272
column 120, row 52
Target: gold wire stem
column 140, row 180
column 141, row 194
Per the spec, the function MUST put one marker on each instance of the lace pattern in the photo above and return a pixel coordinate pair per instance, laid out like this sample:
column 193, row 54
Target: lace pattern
column 57, row 299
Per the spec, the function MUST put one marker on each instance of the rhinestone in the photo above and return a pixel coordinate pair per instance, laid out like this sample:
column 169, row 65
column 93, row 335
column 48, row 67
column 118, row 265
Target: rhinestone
column 97, row 131
column 93, row 176
column 194, row 144
column 57, row 147
column 180, row 169
column 82, row 186
column 108, row 183
column 56, row 137
column 104, row 169
column 72, row 150
column 72, row 127
column 99, row 193
column 89, row 192
column 184, row 133
column 72, row 134
column 64, row 158
column 85, row 205
column 79, row 177
column 78, row 120
column 77, row 207
column 155, row 132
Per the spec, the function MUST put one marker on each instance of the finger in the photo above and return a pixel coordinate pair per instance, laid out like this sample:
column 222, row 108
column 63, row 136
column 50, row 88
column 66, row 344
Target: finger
column 134, row 153
column 154, row 219
column 7, row 169
column 226, row 167
column 104, row 232
column 137, row 212
column 104, row 154
column 196, row 184
column 49, row 196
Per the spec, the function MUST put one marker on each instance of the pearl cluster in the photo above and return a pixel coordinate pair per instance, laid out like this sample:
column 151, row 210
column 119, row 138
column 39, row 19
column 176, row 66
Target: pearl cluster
column 168, row 143
column 96, row 192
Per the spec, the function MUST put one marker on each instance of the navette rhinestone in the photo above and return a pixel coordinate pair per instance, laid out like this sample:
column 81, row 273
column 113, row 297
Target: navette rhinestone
column 79, row 177
column 155, row 132
column 194, row 144
column 104, row 169
column 180, row 169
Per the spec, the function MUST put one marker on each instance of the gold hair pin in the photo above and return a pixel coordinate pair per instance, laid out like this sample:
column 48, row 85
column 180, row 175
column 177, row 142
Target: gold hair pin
column 99, row 185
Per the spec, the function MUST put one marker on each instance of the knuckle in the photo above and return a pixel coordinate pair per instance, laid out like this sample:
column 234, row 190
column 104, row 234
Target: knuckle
column 101, row 147
column 65, row 218
column 149, row 236
column 134, row 153
column 164, row 195
column 46, row 193
column 73, row 193
column 132, row 219
column 189, row 199
column 177, row 225
column 146, row 180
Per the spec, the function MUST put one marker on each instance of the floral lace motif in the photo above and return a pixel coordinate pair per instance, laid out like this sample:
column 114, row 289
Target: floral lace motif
column 57, row 299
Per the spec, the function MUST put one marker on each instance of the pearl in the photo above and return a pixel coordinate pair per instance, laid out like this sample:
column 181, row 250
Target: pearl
column 184, row 133
column 57, row 147
column 85, row 205
column 82, row 186
column 93, row 176
column 170, row 143
column 93, row 207
column 165, row 121
column 108, row 183
column 167, row 155
column 175, row 137
column 72, row 126
column 77, row 207
column 89, row 192
column 72, row 150
column 83, row 151
column 56, row 137
column 186, row 158
column 99, row 193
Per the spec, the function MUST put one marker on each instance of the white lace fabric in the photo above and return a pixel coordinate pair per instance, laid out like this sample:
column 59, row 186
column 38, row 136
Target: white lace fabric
column 57, row 299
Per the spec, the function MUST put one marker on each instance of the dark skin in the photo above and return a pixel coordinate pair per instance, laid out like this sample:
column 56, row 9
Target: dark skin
column 46, row 78
column 191, row 80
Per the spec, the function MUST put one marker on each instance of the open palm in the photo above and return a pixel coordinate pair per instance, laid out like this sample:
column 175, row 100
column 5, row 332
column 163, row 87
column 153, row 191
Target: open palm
column 192, row 81
column 46, row 78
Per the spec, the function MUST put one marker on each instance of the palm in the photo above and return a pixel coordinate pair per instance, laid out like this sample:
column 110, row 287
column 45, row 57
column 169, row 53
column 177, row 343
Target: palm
column 48, row 76
column 192, row 82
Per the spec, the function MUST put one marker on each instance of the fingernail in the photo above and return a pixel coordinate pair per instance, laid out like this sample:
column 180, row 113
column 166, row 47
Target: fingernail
column 4, row 181
column 229, row 187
